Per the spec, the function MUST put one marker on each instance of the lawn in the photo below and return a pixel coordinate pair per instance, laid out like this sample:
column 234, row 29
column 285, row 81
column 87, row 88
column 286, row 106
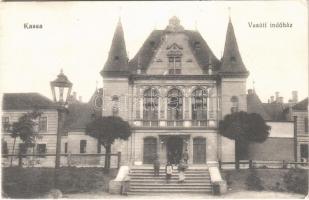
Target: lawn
column 271, row 179
column 35, row 182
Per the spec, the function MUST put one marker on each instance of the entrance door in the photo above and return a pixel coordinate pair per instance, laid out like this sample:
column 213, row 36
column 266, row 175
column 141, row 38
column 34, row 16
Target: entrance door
column 174, row 149
column 199, row 150
column 150, row 150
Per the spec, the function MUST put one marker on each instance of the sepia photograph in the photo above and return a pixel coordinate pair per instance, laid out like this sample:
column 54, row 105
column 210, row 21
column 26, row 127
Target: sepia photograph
column 154, row 99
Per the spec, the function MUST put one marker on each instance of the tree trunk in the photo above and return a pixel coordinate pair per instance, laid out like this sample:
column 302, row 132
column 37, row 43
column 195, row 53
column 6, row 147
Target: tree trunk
column 107, row 157
column 237, row 154
column 13, row 151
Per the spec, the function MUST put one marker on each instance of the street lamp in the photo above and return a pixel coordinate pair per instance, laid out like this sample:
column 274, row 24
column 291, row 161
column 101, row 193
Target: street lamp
column 61, row 89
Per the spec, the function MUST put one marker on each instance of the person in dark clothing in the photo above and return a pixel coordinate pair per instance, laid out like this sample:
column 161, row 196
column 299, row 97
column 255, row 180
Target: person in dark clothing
column 156, row 166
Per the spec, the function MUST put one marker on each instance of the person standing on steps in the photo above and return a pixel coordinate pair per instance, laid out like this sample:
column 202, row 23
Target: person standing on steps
column 185, row 156
column 181, row 169
column 168, row 171
column 156, row 166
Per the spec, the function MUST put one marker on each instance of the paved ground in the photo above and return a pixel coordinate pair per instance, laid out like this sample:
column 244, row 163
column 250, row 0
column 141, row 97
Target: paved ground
column 233, row 195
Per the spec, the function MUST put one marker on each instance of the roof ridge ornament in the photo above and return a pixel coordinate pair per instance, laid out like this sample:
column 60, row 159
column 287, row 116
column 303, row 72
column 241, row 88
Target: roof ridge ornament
column 174, row 25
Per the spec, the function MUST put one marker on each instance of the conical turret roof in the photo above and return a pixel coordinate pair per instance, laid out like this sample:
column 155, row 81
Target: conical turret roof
column 117, row 61
column 231, row 60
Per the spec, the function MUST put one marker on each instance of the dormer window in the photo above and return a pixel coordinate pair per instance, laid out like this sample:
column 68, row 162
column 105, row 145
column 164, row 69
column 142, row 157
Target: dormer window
column 197, row 45
column 174, row 65
column 174, row 58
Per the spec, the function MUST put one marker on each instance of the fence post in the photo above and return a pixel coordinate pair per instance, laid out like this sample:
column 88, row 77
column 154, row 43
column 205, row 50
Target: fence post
column 250, row 164
column 284, row 164
column 119, row 159
column 20, row 160
column 237, row 164
column 220, row 164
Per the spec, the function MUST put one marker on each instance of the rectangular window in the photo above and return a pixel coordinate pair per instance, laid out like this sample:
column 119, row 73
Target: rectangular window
column 66, row 147
column 304, row 151
column 174, row 65
column 306, row 124
column 83, row 144
column 43, row 124
column 177, row 62
column 5, row 123
column 41, row 149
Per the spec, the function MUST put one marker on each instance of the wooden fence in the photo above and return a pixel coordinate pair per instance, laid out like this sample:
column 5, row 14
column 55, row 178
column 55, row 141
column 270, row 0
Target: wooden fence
column 254, row 164
column 48, row 160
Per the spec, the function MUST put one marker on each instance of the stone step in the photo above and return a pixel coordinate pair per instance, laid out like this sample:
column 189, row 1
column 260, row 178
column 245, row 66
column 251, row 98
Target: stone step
column 181, row 190
column 154, row 193
column 206, row 188
column 163, row 170
column 164, row 180
column 163, row 175
column 173, row 176
column 174, row 172
column 170, row 184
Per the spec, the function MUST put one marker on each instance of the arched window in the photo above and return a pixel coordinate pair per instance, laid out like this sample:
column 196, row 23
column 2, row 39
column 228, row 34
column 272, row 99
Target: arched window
column 235, row 103
column 199, row 105
column 150, row 150
column 115, row 105
column 174, row 105
column 151, row 103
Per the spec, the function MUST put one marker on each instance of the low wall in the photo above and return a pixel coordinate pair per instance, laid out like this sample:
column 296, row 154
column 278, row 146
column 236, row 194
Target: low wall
column 278, row 148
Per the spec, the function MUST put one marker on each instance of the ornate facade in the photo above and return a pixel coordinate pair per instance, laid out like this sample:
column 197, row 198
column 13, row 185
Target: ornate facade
column 173, row 92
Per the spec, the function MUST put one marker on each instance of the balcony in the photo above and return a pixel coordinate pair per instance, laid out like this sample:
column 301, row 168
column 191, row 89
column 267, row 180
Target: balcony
column 151, row 123
column 199, row 123
column 175, row 123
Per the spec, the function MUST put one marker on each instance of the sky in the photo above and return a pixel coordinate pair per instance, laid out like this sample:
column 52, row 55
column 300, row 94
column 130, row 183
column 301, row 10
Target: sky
column 76, row 37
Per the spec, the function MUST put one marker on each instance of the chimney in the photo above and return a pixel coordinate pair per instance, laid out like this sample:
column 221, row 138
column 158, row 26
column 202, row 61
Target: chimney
column 80, row 98
column 272, row 99
column 277, row 96
column 74, row 96
column 280, row 100
column 294, row 96
column 250, row 91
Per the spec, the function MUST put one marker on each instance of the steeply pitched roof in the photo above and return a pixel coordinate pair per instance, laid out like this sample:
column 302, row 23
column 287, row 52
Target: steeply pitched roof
column 117, row 61
column 276, row 111
column 302, row 105
column 231, row 61
column 80, row 114
column 254, row 105
column 147, row 51
column 26, row 101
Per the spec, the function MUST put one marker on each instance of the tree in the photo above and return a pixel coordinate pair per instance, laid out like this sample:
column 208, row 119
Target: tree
column 106, row 130
column 25, row 129
column 244, row 128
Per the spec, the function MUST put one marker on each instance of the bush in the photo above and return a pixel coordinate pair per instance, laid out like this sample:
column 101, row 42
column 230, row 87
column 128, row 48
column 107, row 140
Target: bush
column 253, row 182
column 296, row 180
column 35, row 182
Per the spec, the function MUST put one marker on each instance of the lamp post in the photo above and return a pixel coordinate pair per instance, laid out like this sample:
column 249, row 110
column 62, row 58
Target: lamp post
column 61, row 89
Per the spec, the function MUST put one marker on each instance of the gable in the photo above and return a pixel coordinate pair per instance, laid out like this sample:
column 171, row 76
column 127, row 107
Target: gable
column 177, row 45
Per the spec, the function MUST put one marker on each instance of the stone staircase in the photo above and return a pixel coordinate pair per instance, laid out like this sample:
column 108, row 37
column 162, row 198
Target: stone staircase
column 142, row 181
